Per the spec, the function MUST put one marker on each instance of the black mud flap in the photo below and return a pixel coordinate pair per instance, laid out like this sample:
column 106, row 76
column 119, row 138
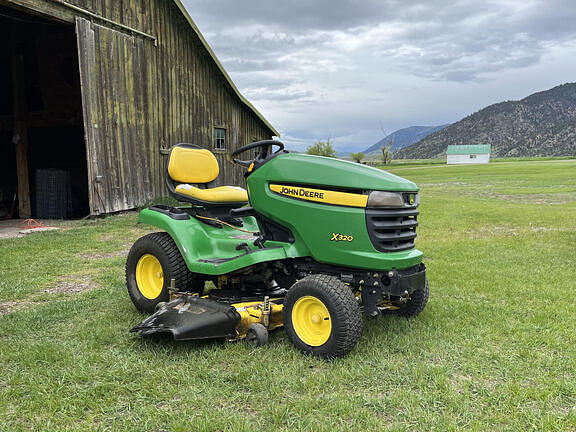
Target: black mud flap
column 409, row 281
column 403, row 282
column 190, row 318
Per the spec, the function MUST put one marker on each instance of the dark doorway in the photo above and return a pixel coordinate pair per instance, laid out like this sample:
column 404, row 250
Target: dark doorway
column 42, row 149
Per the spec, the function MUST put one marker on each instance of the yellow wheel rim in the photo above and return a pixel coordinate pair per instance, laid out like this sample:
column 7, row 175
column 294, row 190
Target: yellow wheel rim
column 149, row 276
column 311, row 321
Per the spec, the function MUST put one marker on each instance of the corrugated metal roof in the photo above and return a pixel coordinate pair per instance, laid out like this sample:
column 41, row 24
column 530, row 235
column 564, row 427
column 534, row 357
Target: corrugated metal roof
column 468, row 149
column 221, row 68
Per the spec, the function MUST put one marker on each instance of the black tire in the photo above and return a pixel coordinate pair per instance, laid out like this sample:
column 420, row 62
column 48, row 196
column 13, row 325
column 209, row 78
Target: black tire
column 257, row 335
column 344, row 314
column 162, row 247
column 416, row 304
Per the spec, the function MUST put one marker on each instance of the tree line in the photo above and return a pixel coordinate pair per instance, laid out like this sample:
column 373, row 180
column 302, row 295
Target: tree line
column 326, row 149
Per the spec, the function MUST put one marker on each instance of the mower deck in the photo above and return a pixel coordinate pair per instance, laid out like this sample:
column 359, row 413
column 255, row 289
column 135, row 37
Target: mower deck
column 192, row 318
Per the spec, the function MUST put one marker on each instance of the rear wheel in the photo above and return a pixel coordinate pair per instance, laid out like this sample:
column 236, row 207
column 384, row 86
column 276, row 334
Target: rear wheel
column 322, row 317
column 153, row 261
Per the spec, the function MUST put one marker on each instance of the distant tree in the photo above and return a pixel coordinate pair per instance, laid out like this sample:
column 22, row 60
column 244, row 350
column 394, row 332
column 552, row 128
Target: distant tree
column 357, row 156
column 386, row 154
column 322, row 148
column 387, row 149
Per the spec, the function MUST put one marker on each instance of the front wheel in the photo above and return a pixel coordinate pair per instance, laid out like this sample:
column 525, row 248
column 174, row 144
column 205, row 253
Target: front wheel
column 153, row 261
column 322, row 316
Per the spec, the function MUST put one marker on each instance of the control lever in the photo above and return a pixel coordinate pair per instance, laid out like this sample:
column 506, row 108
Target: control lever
column 243, row 246
column 243, row 212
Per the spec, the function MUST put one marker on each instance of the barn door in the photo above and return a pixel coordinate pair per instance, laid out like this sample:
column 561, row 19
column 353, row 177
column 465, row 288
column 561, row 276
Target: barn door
column 116, row 100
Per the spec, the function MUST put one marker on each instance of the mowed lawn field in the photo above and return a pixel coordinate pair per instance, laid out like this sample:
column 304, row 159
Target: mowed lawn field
column 495, row 349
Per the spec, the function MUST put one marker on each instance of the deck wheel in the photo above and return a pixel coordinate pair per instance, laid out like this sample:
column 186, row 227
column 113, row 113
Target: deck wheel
column 257, row 335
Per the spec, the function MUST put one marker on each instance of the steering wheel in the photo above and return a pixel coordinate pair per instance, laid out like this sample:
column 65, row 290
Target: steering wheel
column 261, row 156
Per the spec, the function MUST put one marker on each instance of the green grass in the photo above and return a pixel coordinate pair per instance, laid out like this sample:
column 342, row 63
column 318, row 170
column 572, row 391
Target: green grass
column 532, row 158
column 421, row 162
column 410, row 162
column 493, row 350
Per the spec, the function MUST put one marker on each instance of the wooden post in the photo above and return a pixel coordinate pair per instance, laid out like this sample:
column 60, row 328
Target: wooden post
column 20, row 135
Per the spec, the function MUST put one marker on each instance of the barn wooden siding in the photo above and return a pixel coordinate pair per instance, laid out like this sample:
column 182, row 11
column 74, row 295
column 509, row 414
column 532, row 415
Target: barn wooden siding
column 145, row 91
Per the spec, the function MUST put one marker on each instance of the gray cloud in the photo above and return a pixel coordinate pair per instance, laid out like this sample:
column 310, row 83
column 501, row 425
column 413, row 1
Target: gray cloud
column 293, row 16
column 355, row 55
column 241, row 65
column 287, row 93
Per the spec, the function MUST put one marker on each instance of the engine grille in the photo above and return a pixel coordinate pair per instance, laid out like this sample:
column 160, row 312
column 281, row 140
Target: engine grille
column 392, row 230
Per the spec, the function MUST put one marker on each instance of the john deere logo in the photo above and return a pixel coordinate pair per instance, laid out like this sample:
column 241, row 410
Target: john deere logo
column 412, row 199
column 341, row 237
column 301, row 192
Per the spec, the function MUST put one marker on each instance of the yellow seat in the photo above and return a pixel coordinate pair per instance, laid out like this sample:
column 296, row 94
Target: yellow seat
column 218, row 194
column 189, row 164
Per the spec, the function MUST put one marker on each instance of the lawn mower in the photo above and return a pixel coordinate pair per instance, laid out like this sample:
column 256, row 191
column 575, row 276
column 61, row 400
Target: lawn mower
column 310, row 244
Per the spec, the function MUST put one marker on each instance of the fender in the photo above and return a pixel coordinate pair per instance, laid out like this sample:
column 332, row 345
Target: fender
column 199, row 243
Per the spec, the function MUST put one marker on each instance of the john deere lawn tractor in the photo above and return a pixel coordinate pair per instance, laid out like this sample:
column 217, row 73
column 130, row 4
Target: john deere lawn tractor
column 312, row 243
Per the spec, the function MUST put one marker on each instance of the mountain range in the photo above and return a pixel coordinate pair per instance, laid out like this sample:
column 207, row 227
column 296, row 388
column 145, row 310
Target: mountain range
column 542, row 124
column 403, row 138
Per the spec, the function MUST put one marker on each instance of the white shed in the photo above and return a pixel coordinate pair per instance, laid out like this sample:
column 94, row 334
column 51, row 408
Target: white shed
column 467, row 154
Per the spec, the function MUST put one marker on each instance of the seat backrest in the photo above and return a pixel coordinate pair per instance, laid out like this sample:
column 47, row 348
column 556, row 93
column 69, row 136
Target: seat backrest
column 188, row 164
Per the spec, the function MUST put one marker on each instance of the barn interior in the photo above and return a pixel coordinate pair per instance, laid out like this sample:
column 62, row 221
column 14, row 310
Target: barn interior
column 43, row 167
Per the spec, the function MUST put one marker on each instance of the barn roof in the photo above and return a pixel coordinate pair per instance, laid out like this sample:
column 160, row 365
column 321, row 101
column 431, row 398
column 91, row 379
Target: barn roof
column 468, row 149
column 221, row 68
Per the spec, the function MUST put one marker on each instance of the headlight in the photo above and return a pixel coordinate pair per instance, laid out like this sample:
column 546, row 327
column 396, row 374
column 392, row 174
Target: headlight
column 412, row 199
column 392, row 199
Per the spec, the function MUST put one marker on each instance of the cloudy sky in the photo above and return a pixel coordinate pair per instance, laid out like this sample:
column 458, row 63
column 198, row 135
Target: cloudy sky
column 351, row 69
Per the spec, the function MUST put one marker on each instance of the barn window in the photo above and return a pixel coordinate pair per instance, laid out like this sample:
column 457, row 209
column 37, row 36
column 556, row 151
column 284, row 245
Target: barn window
column 219, row 139
column 472, row 156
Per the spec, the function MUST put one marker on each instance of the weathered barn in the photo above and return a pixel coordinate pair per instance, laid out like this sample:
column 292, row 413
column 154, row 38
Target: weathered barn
column 467, row 154
column 100, row 89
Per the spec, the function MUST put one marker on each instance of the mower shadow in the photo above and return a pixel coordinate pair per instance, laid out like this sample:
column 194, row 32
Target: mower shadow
column 394, row 331
column 397, row 333
column 164, row 343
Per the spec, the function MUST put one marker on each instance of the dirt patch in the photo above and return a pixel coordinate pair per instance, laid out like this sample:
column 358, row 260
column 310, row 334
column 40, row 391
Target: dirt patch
column 491, row 231
column 71, row 284
column 553, row 198
column 14, row 306
column 16, row 231
column 143, row 230
column 104, row 255
column 131, row 234
column 106, row 237
column 9, row 232
column 536, row 229
column 459, row 382
column 15, row 228
column 443, row 184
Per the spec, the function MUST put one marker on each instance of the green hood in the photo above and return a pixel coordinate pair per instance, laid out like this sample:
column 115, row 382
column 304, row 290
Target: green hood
column 305, row 169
